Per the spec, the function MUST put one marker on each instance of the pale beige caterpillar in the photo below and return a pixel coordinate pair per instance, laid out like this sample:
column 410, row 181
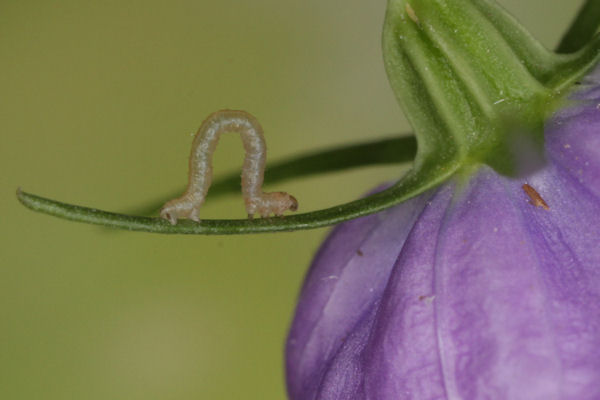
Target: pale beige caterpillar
column 253, row 169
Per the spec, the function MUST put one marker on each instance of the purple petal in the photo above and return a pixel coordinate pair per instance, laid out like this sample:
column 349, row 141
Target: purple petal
column 466, row 292
column 348, row 276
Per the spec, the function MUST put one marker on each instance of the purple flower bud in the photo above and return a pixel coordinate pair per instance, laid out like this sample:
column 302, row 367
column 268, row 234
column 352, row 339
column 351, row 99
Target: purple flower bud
column 469, row 291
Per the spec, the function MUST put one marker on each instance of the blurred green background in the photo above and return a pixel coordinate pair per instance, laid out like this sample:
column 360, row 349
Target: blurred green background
column 98, row 101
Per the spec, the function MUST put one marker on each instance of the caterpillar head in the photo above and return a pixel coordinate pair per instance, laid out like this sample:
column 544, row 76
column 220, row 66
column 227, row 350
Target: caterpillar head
column 272, row 203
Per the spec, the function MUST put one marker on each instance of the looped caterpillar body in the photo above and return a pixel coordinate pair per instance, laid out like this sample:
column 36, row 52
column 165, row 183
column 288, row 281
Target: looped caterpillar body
column 200, row 169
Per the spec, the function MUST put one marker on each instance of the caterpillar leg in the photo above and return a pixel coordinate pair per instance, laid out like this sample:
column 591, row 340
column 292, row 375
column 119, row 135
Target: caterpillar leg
column 181, row 207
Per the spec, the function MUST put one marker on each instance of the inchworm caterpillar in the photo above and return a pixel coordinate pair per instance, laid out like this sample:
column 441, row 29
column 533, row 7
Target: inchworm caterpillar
column 535, row 197
column 253, row 169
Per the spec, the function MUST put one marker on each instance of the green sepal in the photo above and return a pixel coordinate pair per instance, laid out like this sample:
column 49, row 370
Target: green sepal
column 582, row 29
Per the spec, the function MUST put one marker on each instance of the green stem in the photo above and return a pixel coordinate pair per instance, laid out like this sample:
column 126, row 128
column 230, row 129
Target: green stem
column 582, row 29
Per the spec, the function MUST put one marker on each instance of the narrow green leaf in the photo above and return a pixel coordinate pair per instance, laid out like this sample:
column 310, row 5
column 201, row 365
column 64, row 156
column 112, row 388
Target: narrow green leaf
column 414, row 183
column 572, row 67
column 582, row 29
column 379, row 152
column 384, row 151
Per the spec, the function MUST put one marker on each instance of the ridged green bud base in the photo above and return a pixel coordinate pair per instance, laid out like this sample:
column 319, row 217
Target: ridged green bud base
column 474, row 84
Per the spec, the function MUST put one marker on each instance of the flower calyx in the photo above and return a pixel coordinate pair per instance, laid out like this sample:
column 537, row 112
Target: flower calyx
column 474, row 84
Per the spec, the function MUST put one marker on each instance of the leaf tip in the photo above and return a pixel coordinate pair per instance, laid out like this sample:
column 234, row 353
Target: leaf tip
column 20, row 196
